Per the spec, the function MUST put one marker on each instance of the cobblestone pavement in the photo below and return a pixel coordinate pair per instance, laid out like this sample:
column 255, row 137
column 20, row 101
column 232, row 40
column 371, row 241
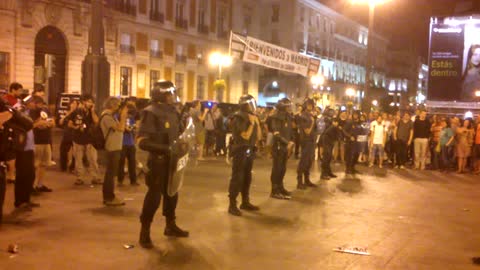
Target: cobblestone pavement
column 407, row 219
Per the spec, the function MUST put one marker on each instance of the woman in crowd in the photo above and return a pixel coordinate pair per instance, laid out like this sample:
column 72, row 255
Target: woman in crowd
column 464, row 137
column 434, row 141
column 446, row 141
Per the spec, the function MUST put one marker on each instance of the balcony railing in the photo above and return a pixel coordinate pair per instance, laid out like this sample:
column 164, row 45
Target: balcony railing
column 181, row 58
column 203, row 29
column 157, row 17
column 156, row 54
column 128, row 49
column 180, row 23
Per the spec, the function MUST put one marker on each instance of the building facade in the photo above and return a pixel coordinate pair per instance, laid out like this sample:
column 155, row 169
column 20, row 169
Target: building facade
column 339, row 42
column 43, row 43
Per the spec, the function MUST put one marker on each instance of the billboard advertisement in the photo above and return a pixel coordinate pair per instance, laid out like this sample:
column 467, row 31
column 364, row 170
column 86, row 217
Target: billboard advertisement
column 454, row 59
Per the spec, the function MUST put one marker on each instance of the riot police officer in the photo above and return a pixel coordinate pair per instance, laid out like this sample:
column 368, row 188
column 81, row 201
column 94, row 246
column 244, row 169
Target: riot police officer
column 306, row 126
column 351, row 131
column 12, row 124
column 282, row 146
column 246, row 131
column 329, row 137
column 160, row 127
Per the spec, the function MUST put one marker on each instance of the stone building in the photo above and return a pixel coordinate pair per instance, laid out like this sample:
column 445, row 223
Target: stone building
column 43, row 42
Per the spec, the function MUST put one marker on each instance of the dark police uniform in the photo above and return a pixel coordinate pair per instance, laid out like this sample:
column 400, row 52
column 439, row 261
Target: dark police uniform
column 243, row 154
column 352, row 151
column 161, row 123
column 7, row 148
column 329, row 137
column 307, row 143
column 9, row 144
column 282, row 128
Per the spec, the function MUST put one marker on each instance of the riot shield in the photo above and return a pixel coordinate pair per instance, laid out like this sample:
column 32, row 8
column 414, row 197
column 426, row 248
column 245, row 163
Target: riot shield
column 180, row 158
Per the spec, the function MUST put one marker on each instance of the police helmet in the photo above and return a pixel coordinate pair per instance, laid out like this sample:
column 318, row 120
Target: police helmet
column 284, row 104
column 308, row 101
column 247, row 103
column 161, row 89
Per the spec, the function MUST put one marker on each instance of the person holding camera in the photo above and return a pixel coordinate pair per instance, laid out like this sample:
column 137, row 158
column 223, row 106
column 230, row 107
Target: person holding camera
column 42, row 131
column 112, row 130
column 82, row 122
column 128, row 148
column 246, row 132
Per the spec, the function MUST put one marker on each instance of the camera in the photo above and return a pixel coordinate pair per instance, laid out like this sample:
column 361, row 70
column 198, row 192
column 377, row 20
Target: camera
column 207, row 105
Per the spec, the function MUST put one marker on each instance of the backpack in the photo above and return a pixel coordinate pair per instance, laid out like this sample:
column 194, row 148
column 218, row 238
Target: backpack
column 98, row 138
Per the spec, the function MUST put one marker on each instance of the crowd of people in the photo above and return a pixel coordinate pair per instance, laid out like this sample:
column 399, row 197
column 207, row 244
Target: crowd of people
column 400, row 140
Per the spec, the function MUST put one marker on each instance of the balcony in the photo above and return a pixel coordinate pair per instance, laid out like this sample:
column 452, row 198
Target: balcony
column 157, row 17
column 182, row 24
column 181, row 58
column 127, row 49
column 156, row 54
column 203, row 29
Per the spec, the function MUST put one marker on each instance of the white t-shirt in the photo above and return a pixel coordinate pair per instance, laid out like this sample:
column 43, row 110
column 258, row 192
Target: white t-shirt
column 378, row 132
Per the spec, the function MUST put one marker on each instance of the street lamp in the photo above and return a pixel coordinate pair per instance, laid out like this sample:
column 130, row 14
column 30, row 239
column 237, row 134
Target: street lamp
column 220, row 60
column 371, row 4
column 375, row 103
column 317, row 80
column 350, row 92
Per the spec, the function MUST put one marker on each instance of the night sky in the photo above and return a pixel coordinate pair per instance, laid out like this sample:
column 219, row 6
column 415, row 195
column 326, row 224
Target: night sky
column 404, row 22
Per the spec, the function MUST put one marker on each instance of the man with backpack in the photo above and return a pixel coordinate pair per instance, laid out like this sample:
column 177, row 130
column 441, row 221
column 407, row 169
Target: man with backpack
column 112, row 130
column 83, row 122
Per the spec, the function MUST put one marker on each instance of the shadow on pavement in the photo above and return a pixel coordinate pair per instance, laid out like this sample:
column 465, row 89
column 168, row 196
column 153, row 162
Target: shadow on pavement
column 270, row 221
column 119, row 211
column 350, row 185
column 178, row 255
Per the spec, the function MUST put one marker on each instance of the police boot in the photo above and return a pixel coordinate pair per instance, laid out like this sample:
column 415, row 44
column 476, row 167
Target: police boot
column 233, row 209
column 173, row 230
column 284, row 191
column 145, row 240
column 300, row 184
column 246, row 205
column 309, row 183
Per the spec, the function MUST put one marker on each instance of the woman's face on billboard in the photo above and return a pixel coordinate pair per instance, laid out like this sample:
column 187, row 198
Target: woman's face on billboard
column 476, row 56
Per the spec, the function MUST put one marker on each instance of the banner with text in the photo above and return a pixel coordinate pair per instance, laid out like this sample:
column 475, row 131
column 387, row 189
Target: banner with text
column 272, row 56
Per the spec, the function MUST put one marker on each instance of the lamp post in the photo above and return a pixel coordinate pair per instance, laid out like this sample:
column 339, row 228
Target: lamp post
column 371, row 15
column 318, row 81
column 217, row 59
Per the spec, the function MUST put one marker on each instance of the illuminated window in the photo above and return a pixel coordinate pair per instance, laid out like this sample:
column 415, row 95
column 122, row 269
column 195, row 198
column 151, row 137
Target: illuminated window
column 4, row 70
column 179, row 82
column 154, row 77
column 200, row 87
column 125, row 81
column 275, row 13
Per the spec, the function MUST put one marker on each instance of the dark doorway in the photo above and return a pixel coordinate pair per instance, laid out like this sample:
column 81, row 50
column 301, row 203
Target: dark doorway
column 50, row 62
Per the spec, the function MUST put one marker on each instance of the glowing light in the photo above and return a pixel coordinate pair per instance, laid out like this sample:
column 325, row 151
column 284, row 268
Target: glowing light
column 350, row 92
column 275, row 84
column 370, row 2
column 477, row 93
column 468, row 114
column 375, row 102
column 217, row 59
column 317, row 80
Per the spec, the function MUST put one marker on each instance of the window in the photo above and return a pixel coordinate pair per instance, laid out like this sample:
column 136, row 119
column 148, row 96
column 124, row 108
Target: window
column 155, row 50
column 245, row 87
column 126, row 43
column 247, row 20
column 125, row 81
column 180, row 9
column 154, row 77
column 200, row 87
column 180, row 54
column 302, row 14
column 155, row 13
column 325, row 25
column 275, row 38
column 4, row 70
column 179, row 82
column 222, row 22
column 202, row 13
column 275, row 13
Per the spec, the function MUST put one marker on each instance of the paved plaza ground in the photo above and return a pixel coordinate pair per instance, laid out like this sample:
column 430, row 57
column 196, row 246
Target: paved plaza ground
column 408, row 220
